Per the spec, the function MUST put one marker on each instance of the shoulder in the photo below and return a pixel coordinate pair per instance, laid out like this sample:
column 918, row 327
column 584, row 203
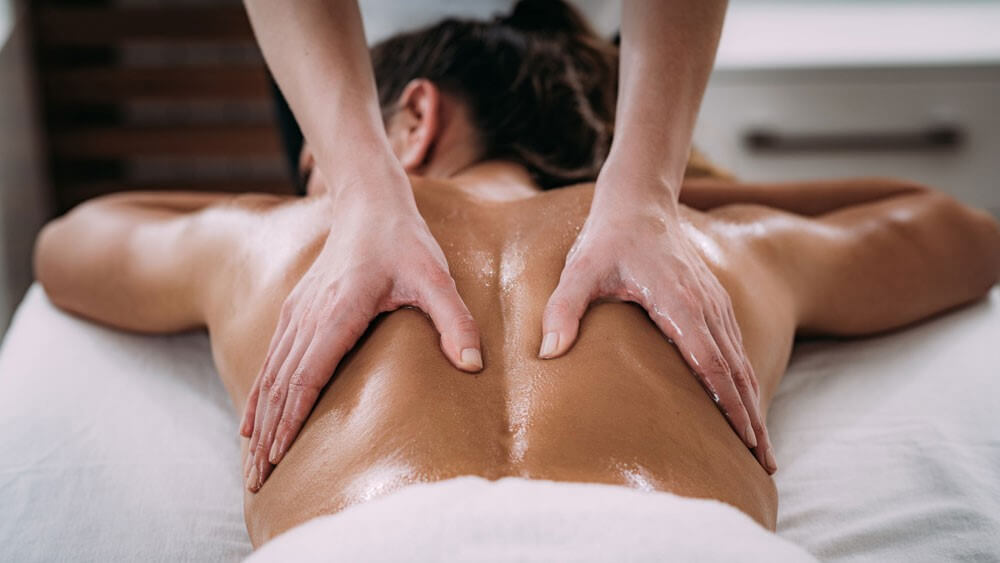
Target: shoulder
column 253, row 245
column 750, row 248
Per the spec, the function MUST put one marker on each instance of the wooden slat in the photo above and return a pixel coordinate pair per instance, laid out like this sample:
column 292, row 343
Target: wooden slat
column 124, row 142
column 72, row 195
column 81, row 191
column 109, row 85
column 66, row 25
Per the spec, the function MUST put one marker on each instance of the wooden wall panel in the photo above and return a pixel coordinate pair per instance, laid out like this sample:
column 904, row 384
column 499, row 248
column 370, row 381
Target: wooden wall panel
column 105, row 67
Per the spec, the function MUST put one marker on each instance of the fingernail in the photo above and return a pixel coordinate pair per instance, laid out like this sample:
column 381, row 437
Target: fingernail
column 549, row 344
column 771, row 464
column 252, row 479
column 472, row 358
column 277, row 451
column 750, row 437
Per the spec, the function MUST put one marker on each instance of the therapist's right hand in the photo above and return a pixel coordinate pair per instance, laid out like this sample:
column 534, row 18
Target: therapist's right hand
column 379, row 256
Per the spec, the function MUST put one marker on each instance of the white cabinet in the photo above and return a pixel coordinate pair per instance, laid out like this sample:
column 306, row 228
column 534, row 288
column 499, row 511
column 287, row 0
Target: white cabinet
column 938, row 126
column 825, row 88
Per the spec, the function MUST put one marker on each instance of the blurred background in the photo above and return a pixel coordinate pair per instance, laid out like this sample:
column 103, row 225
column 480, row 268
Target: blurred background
column 106, row 95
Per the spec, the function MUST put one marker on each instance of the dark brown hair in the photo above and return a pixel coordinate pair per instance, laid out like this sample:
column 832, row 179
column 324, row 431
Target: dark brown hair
column 539, row 83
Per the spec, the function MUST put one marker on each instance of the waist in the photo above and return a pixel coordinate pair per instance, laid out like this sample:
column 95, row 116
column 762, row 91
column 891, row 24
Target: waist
column 620, row 414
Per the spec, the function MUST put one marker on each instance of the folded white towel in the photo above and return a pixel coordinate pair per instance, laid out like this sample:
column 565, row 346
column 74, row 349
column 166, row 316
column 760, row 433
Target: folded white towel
column 473, row 519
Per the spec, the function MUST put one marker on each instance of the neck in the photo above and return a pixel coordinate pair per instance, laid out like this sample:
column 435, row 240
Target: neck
column 456, row 147
column 499, row 180
column 456, row 155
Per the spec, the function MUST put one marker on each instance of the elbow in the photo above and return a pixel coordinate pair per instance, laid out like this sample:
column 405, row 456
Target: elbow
column 49, row 246
column 984, row 243
column 990, row 228
column 45, row 244
column 978, row 235
column 57, row 251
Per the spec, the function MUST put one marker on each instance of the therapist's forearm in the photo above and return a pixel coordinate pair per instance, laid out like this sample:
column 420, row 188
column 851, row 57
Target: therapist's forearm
column 668, row 49
column 317, row 53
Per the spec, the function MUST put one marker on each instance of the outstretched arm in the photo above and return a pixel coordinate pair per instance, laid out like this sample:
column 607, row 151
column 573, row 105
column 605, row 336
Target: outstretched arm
column 888, row 255
column 137, row 261
column 810, row 198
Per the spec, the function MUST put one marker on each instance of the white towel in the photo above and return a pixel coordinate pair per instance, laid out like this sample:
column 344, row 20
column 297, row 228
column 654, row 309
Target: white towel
column 512, row 519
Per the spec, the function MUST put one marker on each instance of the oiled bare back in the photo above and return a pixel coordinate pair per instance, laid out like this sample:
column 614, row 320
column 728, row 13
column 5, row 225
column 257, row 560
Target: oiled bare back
column 620, row 408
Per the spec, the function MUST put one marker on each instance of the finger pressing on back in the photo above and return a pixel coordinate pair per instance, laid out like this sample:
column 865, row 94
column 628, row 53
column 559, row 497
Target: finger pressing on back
column 565, row 308
column 702, row 353
column 306, row 381
column 459, row 334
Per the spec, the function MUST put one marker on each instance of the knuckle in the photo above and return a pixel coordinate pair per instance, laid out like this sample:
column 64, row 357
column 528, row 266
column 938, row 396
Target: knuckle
column 436, row 275
column 742, row 382
column 580, row 264
column 439, row 278
column 288, row 424
column 693, row 300
column 559, row 308
column 335, row 306
column 304, row 385
column 717, row 366
column 391, row 301
column 266, row 381
column 464, row 323
column 714, row 313
column 300, row 381
column 275, row 398
column 260, row 450
column 720, row 365
column 334, row 286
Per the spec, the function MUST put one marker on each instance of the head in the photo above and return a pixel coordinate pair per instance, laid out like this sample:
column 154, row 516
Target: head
column 536, row 87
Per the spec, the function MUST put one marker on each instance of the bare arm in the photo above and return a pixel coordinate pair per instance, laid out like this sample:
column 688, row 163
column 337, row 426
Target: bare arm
column 668, row 49
column 137, row 261
column 811, row 198
column 876, row 265
column 316, row 50
column 317, row 53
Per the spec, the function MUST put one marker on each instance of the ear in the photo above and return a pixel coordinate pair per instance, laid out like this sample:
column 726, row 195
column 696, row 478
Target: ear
column 415, row 126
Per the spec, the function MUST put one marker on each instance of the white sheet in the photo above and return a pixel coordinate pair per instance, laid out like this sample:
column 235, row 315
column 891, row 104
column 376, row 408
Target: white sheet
column 116, row 447
column 123, row 447
column 513, row 519
column 889, row 448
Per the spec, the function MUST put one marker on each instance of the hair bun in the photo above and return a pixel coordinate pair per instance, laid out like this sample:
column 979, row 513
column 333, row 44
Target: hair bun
column 546, row 17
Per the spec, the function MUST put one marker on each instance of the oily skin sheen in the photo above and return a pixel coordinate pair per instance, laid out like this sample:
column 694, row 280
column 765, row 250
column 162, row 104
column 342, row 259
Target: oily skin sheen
column 317, row 53
column 621, row 407
column 652, row 263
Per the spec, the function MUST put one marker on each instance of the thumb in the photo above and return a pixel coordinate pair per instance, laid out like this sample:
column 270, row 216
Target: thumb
column 561, row 319
column 459, row 333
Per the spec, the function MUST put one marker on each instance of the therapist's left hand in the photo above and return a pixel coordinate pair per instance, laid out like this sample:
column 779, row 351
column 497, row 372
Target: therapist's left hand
column 634, row 248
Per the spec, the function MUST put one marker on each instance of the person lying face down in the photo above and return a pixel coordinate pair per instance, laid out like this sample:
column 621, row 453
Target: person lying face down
column 850, row 257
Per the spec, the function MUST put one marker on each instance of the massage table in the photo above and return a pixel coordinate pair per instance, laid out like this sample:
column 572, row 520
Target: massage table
column 123, row 447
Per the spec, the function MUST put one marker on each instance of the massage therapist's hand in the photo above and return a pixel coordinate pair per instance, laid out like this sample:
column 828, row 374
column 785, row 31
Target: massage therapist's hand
column 635, row 249
column 379, row 256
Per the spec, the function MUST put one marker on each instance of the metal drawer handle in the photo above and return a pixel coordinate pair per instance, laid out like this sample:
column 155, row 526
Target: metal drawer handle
column 940, row 137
